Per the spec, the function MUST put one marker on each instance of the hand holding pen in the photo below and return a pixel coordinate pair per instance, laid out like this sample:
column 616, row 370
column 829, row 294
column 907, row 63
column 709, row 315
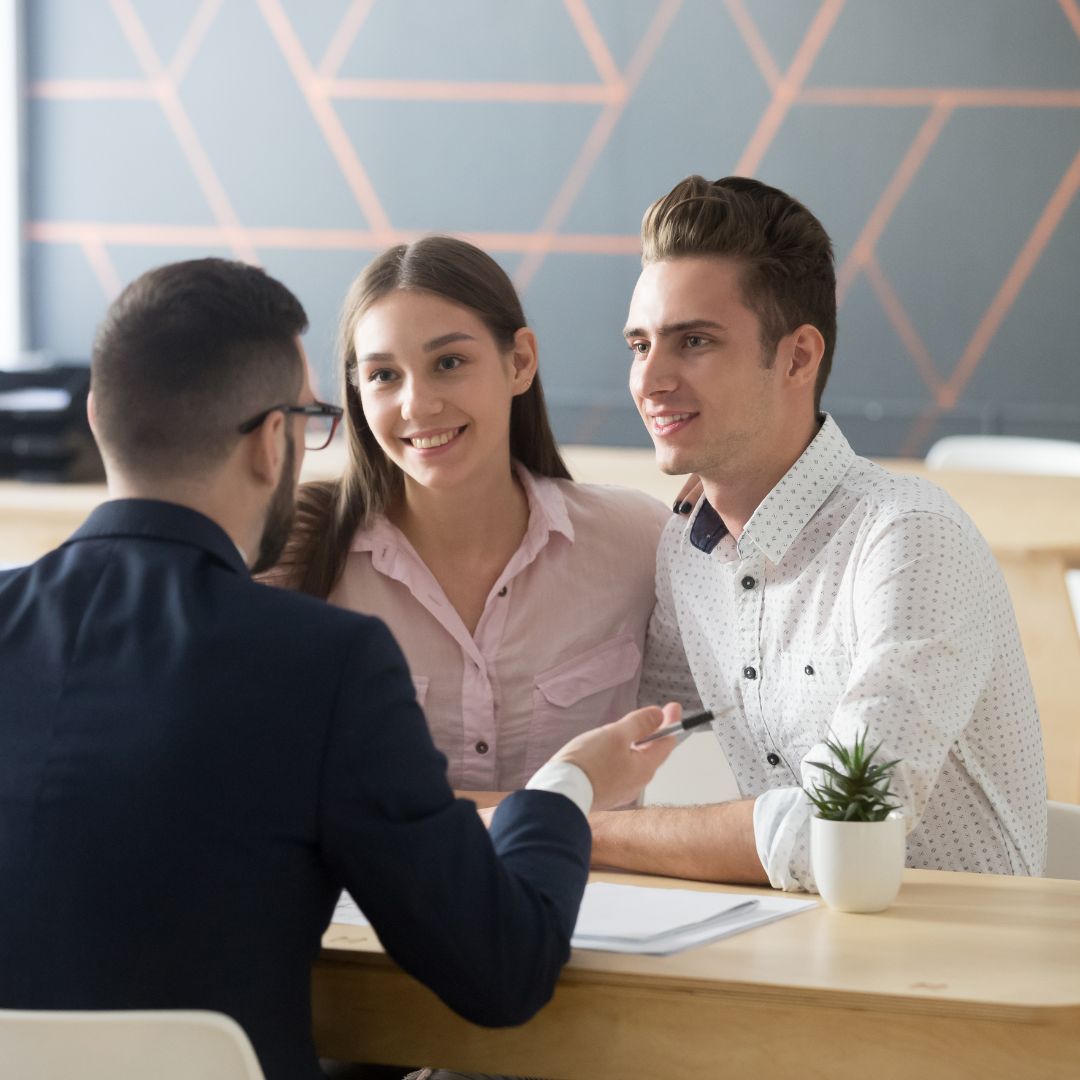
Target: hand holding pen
column 687, row 723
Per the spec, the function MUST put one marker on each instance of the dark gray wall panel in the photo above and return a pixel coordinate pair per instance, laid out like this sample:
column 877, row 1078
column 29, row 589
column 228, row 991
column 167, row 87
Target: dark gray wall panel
column 938, row 140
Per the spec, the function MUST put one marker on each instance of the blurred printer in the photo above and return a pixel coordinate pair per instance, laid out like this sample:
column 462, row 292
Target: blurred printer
column 44, row 433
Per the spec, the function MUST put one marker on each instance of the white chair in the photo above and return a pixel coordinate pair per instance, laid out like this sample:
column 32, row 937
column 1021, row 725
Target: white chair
column 697, row 772
column 180, row 1045
column 1012, row 454
column 1006, row 453
column 1062, row 841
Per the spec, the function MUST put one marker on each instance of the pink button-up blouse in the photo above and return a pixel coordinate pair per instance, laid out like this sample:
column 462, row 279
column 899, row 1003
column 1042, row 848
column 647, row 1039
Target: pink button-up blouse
column 558, row 647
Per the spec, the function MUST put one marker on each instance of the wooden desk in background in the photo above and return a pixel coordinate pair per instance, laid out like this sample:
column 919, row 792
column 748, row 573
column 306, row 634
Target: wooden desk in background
column 1032, row 524
column 965, row 976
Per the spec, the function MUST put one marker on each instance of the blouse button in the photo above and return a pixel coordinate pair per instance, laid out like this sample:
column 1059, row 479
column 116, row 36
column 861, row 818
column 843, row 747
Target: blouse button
column 749, row 672
column 481, row 747
column 809, row 669
column 748, row 582
column 773, row 759
column 502, row 591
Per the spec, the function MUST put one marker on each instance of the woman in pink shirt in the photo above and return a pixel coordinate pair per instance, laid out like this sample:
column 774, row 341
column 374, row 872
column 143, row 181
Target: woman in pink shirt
column 519, row 597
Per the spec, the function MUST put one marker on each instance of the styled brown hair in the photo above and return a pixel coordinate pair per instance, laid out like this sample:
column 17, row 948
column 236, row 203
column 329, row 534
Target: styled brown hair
column 330, row 512
column 784, row 252
column 185, row 354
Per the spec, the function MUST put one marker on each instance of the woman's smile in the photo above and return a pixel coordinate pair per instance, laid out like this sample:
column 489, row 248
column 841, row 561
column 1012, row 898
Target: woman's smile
column 428, row 441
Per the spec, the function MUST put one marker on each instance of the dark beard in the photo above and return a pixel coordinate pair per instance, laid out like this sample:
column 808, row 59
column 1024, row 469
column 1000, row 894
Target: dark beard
column 279, row 516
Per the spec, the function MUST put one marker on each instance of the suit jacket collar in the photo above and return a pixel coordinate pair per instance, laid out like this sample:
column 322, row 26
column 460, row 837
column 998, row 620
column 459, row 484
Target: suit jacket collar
column 151, row 519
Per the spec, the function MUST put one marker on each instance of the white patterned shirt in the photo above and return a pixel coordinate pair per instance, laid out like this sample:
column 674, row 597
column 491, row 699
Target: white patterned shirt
column 856, row 599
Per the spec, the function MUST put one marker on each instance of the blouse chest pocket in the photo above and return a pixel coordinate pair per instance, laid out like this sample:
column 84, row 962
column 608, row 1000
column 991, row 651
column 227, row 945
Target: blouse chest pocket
column 580, row 694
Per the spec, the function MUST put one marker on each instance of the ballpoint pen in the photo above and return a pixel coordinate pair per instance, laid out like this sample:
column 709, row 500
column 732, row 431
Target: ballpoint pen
column 687, row 723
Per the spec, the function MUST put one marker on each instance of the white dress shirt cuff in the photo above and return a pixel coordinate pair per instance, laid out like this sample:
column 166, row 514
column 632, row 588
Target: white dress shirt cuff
column 567, row 779
column 782, row 835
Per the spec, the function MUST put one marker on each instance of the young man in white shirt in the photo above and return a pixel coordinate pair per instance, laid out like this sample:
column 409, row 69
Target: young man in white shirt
column 810, row 592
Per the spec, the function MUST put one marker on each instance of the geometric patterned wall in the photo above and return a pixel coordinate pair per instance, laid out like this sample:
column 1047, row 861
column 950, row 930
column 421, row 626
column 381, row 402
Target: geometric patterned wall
column 938, row 141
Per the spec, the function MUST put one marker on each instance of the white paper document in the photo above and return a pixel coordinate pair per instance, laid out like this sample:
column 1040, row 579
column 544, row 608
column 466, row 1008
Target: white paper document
column 636, row 919
column 347, row 912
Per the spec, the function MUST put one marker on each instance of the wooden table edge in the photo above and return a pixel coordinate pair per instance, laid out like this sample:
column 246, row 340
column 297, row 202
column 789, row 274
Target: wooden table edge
column 750, row 991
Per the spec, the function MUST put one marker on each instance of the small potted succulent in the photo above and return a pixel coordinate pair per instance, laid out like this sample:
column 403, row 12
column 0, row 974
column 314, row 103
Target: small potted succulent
column 857, row 832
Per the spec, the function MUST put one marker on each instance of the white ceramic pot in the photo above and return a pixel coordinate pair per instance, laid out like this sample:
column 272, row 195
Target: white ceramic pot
column 857, row 864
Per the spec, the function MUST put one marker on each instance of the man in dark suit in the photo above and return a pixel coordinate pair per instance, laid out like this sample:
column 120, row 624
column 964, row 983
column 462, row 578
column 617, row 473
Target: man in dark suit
column 193, row 765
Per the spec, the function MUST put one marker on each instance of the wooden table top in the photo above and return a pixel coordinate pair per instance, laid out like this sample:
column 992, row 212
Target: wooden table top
column 969, row 944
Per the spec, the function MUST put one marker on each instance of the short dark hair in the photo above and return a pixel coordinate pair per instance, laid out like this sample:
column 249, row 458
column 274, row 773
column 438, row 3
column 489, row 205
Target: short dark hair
column 185, row 354
column 786, row 256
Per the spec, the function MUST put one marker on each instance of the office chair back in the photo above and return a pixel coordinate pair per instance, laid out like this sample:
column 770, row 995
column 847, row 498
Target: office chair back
column 180, row 1045
column 1062, row 841
column 1006, row 453
column 1009, row 454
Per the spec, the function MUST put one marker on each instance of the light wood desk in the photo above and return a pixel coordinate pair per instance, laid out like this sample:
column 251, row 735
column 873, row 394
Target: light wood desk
column 1032, row 524
column 965, row 976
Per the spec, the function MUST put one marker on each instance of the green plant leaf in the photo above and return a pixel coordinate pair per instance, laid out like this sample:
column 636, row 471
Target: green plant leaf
column 855, row 787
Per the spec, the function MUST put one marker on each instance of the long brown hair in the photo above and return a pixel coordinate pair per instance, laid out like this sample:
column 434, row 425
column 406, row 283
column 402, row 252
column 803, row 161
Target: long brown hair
column 328, row 513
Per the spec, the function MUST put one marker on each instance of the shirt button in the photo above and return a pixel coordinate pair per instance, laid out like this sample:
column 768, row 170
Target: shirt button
column 502, row 591
column 809, row 669
column 749, row 672
column 773, row 759
column 481, row 747
column 748, row 582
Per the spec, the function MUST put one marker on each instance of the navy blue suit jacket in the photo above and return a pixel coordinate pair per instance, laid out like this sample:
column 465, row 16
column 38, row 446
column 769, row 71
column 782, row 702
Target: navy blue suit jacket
column 193, row 765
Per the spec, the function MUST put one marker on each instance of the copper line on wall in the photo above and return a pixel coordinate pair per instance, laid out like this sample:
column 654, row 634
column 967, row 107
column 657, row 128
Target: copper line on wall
column 186, row 136
column 193, row 39
column 594, row 42
column 598, row 137
column 895, row 190
column 329, row 124
column 902, row 324
column 787, row 89
column 343, row 38
column 755, row 43
column 1014, row 282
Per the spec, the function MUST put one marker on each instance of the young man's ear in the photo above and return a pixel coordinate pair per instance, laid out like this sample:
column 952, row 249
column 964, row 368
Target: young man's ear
column 91, row 414
column 525, row 358
column 265, row 449
column 804, row 355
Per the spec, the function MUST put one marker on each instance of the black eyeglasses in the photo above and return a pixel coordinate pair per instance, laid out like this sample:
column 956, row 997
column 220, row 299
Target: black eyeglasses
column 322, row 421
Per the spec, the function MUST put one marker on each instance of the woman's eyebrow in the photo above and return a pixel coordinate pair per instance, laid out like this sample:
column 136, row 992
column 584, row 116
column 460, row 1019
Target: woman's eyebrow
column 430, row 346
column 447, row 339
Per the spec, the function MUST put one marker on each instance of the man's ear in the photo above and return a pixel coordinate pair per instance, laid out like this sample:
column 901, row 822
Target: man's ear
column 265, row 449
column 91, row 414
column 525, row 359
column 804, row 355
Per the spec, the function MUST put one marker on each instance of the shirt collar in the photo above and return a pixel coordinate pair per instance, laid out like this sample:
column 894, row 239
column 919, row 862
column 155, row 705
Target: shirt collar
column 547, row 514
column 547, row 504
column 785, row 511
column 158, row 520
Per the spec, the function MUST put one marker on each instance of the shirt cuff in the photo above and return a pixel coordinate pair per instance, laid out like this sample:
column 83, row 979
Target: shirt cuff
column 564, row 778
column 782, row 836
